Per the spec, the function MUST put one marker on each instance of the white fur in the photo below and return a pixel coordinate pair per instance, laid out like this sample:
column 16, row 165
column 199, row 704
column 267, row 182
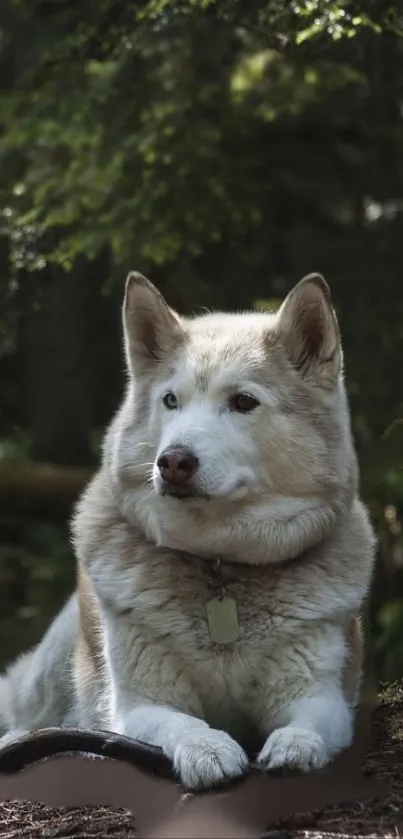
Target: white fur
column 319, row 727
column 202, row 756
column 276, row 484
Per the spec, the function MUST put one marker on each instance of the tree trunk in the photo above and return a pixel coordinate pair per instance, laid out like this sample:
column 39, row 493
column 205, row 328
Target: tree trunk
column 56, row 363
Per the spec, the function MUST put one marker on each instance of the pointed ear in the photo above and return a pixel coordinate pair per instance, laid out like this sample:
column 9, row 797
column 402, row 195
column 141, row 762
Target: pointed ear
column 151, row 328
column 309, row 331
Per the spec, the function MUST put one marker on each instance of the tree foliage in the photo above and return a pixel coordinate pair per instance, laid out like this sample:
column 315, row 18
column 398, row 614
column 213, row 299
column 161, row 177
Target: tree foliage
column 152, row 128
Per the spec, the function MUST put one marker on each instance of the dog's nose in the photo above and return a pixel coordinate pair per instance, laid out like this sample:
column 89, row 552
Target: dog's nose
column 177, row 465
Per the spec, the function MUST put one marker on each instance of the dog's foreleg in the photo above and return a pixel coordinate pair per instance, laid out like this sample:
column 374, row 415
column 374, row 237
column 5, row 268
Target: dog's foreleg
column 318, row 727
column 201, row 756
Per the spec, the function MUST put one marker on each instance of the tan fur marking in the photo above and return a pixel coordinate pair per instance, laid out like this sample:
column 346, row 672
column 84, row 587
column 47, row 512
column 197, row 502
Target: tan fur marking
column 353, row 666
column 89, row 650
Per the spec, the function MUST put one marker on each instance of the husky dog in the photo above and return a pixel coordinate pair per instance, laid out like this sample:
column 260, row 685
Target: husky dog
column 223, row 552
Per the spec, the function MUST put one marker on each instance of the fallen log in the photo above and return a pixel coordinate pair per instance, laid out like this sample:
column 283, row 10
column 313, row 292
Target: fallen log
column 40, row 489
column 377, row 818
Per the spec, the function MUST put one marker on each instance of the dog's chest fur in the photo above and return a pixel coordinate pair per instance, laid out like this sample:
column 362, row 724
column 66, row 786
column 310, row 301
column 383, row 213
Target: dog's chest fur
column 160, row 645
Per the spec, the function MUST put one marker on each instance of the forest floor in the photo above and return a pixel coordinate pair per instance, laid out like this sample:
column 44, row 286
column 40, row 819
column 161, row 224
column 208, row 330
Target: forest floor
column 366, row 820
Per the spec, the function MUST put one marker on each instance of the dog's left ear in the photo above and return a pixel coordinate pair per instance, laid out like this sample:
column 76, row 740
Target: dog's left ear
column 309, row 331
column 152, row 330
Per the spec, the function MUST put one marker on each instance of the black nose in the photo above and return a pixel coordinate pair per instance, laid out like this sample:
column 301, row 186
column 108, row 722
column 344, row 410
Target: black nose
column 177, row 465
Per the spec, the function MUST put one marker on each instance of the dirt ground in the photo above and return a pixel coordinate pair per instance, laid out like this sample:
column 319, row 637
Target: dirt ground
column 369, row 820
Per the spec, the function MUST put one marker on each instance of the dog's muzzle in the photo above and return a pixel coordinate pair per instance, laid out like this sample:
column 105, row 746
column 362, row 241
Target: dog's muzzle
column 177, row 466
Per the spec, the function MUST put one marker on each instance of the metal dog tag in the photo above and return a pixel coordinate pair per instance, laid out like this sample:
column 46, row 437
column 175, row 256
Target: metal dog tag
column 222, row 620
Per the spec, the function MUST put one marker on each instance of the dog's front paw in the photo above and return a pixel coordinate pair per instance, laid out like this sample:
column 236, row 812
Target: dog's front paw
column 208, row 758
column 293, row 748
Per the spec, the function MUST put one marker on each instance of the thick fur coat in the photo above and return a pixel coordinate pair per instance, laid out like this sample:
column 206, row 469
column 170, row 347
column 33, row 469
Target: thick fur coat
column 232, row 443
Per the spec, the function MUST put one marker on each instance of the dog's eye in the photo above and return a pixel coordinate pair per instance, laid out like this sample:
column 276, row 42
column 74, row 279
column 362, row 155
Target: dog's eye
column 243, row 403
column 170, row 401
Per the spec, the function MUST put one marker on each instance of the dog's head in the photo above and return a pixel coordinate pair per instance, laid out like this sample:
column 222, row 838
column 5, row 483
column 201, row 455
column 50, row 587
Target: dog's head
column 230, row 414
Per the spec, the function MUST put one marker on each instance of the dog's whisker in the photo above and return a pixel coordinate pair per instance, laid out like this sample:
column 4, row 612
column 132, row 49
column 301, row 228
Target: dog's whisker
column 145, row 465
column 142, row 445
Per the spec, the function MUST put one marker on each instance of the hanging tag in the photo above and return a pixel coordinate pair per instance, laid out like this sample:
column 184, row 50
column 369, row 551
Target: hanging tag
column 222, row 620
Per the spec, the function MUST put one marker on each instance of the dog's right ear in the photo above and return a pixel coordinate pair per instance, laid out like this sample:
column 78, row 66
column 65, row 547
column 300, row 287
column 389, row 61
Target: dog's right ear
column 309, row 330
column 151, row 328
